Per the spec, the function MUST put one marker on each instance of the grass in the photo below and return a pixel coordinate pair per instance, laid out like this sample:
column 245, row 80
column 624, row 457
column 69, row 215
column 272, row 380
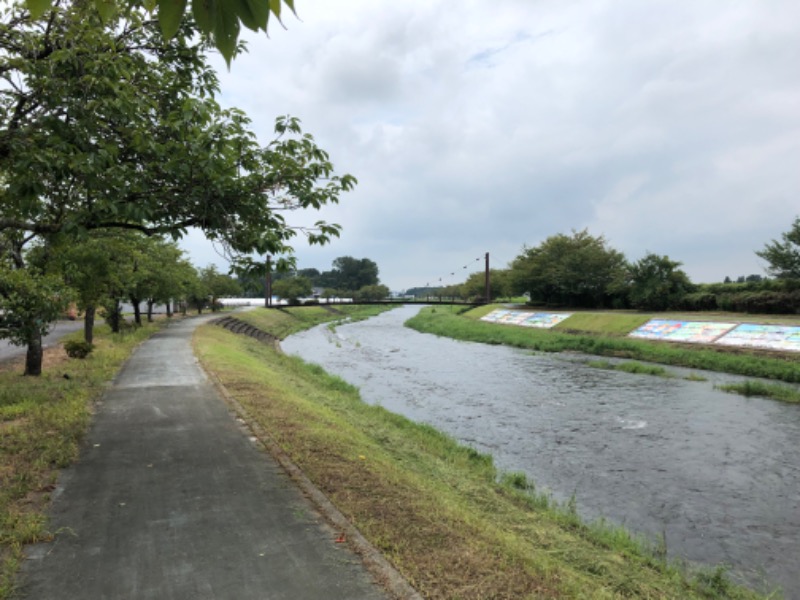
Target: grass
column 742, row 362
column 42, row 422
column 282, row 322
column 439, row 511
column 618, row 324
column 763, row 389
column 631, row 367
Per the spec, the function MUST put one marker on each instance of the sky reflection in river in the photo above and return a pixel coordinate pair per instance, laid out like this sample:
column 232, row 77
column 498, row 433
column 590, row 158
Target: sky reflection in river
column 717, row 474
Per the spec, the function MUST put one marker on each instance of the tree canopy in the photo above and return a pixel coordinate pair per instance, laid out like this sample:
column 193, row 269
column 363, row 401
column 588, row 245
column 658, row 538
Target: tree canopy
column 656, row 283
column 105, row 125
column 112, row 127
column 576, row 270
column 350, row 274
column 783, row 255
column 219, row 19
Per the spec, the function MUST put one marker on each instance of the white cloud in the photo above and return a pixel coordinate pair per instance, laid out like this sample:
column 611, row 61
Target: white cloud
column 671, row 127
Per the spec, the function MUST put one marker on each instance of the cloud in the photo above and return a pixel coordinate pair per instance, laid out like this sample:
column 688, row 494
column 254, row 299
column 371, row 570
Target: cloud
column 669, row 127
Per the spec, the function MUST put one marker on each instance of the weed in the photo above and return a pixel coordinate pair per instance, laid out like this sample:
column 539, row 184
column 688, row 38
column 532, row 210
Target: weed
column 763, row 389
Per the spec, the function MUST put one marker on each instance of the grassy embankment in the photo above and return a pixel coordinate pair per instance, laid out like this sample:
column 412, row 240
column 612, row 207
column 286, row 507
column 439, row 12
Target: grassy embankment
column 42, row 421
column 439, row 511
column 603, row 334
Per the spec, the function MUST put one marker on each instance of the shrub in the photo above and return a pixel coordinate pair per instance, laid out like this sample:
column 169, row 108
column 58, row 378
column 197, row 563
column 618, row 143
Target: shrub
column 78, row 348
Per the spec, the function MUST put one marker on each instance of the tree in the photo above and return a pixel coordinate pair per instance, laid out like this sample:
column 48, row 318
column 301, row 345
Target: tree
column 350, row 273
column 499, row 280
column 292, row 288
column 104, row 125
column 94, row 269
column 29, row 303
column 657, row 283
column 218, row 285
column 220, row 19
column 123, row 131
column 576, row 270
column 784, row 256
column 370, row 293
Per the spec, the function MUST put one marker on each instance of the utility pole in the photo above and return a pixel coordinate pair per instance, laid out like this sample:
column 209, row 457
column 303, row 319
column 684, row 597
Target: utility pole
column 268, row 284
column 486, row 291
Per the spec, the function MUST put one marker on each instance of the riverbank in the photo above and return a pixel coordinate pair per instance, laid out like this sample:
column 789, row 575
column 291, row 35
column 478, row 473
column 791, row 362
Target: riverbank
column 603, row 334
column 440, row 512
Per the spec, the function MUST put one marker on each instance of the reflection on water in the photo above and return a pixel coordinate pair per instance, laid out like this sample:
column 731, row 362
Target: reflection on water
column 718, row 475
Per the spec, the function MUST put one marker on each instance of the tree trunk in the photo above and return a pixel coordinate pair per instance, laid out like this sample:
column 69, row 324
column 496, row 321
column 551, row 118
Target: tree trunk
column 88, row 324
column 137, row 311
column 33, row 358
column 114, row 318
column 150, row 311
column 169, row 309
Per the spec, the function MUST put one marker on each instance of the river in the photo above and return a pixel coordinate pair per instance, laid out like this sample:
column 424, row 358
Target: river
column 715, row 475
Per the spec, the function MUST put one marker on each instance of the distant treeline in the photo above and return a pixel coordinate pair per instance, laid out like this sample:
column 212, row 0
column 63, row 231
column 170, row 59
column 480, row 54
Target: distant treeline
column 582, row 271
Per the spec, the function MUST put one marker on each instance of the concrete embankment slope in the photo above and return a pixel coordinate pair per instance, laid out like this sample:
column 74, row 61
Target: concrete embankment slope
column 171, row 500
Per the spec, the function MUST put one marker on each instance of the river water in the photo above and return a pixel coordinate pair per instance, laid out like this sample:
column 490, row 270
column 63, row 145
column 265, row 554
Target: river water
column 716, row 475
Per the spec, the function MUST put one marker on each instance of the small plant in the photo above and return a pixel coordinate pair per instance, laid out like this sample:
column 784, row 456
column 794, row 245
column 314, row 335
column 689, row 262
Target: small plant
column 517, row 480
column 695, row 377
column 760, row 388
column 78, row 348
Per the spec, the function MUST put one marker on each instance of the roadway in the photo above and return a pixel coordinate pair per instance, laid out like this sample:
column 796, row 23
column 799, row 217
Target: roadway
column 9, row 351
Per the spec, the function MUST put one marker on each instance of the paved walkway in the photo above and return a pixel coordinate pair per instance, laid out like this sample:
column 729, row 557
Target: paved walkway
column 171, row 500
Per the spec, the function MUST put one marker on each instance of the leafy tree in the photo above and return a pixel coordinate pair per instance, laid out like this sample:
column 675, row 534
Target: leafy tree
column 292, row 288
column 371, row 293
column 657, row 283
column 784, row 256
column 219, row 19
column 218, row 285
column 95, row 269
column 104, row 125
column 576, row 270
column 499, row 284
column 350, row 273
column 29, row 303
column 122, row 131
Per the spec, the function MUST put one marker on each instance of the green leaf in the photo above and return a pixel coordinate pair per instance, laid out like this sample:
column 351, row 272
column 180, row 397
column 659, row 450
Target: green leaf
column 204, row 12
column 253, row 13
column 290, row 4
column 106, row 8
column 226, row 32
column 170, row 13
column 275, row 7
column 149, row 5
column 38, row 7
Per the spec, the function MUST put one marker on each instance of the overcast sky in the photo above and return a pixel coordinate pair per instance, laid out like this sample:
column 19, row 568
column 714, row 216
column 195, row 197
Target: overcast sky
column 472, row 127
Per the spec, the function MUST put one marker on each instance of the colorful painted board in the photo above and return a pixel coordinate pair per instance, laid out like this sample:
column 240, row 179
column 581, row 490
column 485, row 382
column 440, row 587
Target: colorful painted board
column 772, row 337
column 696, row 332
column 525, row 318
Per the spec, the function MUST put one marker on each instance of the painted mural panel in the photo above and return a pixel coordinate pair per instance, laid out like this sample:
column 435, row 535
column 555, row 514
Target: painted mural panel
column 772, row 337
column 697, row 332
column 525, row 318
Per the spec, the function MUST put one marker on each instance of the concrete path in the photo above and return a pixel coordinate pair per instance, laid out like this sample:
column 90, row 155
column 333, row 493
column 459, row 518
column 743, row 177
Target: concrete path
column 171, row 500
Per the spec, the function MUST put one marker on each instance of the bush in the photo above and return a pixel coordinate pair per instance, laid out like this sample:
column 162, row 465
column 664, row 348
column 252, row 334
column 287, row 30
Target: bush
column 78, row 349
